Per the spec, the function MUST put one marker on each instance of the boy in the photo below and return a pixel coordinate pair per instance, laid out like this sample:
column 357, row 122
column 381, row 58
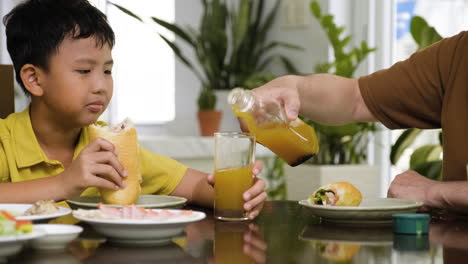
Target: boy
column 61, row 51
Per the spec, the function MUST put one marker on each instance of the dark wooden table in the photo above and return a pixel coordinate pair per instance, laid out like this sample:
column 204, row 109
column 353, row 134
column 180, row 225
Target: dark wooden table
column 285, row 232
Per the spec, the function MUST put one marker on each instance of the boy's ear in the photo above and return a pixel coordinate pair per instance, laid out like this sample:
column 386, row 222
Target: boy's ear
column 30, row 75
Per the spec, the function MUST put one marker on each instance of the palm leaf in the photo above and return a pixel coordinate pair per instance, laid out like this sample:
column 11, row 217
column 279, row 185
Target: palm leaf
column 179, row 55
column 126, row 11
column 288, row 65
column 404, row 140
column 175, row 29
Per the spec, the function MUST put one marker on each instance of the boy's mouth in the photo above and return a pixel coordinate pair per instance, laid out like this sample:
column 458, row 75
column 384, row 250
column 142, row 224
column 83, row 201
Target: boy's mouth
column 95, row 106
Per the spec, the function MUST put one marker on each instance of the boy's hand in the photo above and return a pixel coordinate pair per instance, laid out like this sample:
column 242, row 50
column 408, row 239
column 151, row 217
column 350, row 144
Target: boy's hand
column 96, row 166
column 255, row 196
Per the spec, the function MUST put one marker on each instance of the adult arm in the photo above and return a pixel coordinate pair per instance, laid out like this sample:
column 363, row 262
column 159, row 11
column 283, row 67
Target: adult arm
column 435, row 194
column 325, row 98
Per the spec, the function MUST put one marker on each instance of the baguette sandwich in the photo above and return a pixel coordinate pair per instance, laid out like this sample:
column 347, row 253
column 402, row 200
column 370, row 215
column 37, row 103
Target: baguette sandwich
column 337, row 194
column 124, row 138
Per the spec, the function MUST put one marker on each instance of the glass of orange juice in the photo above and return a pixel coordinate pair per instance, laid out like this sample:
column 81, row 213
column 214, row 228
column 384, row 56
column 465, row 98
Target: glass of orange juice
column 234, row 155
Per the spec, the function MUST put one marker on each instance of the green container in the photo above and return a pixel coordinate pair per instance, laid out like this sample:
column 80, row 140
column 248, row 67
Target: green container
column 411, row 224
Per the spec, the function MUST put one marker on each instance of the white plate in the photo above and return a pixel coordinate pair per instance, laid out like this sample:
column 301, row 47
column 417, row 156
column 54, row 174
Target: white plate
column 147, row 232
column 145, row 201
column 12, row 244
column 56, row 236
column 377, row 211
column 19, row 209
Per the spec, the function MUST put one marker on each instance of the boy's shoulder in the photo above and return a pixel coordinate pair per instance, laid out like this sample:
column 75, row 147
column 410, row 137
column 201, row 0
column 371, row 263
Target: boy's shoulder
column 16, row 121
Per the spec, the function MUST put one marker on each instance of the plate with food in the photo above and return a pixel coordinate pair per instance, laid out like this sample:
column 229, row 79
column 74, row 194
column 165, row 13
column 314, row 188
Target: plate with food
column 14, row 233
column 136, row 225
column 342, row 203
column 145, row 201
column 40, row 210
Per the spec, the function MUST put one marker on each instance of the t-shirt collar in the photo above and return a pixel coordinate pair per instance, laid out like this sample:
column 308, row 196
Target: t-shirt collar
column 26, row 147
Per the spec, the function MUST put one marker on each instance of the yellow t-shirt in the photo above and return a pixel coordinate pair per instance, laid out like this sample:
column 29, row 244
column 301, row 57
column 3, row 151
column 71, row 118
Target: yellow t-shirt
column 22, row 159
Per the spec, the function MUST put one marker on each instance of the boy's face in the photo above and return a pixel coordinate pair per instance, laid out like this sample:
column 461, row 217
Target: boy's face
column 78, row 86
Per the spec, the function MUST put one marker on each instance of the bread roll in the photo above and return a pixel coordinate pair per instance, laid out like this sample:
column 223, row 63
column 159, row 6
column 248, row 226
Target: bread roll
column 337, row 194
column 124, row 138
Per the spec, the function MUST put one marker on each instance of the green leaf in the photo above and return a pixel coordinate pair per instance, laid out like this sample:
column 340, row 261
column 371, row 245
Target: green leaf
column 126, row 11
column 316, row 10
column 288, row 65
column 404, row 141
column 425, row 154
column 179, row 55
column 423, row 33
column 432, row 169
column 175, row 29
column 241, row 22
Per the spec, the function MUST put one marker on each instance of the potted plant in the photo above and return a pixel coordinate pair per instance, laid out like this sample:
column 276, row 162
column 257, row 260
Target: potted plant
column 426, row 159
column 230, row 46
column 344, row 145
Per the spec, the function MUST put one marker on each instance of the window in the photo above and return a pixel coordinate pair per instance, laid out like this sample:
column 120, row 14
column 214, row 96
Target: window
column 144, row 70
column 435, row 12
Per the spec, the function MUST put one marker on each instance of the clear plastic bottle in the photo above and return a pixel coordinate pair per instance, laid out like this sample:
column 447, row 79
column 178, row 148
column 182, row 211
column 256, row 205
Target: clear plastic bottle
column 293, row 141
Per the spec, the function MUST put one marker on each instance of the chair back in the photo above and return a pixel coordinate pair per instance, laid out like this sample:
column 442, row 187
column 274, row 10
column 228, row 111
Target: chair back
column 7, row 92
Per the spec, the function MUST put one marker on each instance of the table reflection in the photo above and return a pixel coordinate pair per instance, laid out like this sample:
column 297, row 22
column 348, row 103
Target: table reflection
column 283, row 233
column 239, row 243
column 343, row 244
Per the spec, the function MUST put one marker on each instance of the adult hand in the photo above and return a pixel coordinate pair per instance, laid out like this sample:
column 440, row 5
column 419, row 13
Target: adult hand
column 413, row 186
column 255, row 196
column 96, row 166
column 283, row 90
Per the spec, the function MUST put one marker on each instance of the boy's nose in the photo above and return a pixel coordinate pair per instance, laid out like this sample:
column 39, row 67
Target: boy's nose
column 101, row 85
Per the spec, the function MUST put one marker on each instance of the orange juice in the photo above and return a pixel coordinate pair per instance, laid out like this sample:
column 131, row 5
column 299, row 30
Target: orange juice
column 294, row 142
column 230, row 184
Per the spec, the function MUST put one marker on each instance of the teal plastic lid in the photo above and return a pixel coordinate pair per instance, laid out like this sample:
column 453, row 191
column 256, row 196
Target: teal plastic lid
column 413, row 224
column 405, row 242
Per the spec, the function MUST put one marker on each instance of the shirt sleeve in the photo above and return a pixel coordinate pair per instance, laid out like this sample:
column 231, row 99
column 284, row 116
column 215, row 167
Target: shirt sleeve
column 411, row 92
column 160, row 174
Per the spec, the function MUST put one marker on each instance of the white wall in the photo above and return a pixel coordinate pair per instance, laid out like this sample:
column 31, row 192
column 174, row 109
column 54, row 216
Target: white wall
column 310, row 36
column 5, row 7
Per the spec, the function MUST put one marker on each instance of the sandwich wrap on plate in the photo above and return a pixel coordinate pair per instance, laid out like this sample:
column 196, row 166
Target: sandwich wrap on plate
column 124, row 138
column 337, row 194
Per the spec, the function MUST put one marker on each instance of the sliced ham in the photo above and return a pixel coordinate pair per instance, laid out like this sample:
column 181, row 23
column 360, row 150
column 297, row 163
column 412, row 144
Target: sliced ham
column 139, row 213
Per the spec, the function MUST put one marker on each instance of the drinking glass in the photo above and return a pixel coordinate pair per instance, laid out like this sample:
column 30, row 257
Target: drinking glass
column 234, row 155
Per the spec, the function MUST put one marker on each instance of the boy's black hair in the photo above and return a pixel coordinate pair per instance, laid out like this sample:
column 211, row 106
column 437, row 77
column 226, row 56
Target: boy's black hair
column 36, row 28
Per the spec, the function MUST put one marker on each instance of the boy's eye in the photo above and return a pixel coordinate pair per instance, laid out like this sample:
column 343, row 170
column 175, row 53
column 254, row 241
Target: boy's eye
column 83, row 71
column 108, row 72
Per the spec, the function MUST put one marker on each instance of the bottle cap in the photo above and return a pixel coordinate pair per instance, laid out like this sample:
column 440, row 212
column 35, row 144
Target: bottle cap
column 415, row 224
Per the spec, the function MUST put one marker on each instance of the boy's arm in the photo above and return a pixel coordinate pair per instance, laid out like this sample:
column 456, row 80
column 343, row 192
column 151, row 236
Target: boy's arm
column 31, row 191
column 96, row 166
column 195, row 188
